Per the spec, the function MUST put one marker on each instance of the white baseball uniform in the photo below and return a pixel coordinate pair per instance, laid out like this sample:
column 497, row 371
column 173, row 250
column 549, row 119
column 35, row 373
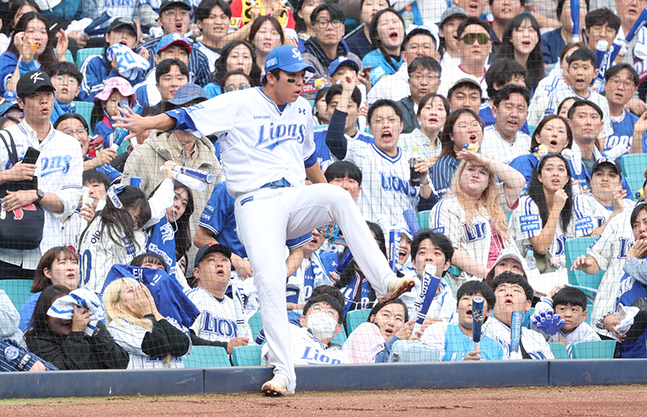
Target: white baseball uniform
column 525, row 223
column 267, row 143
column 386, row 189
column 591, row 214
column 219, row 321
column 308, row 350
column 494, row 146
column 610, row 252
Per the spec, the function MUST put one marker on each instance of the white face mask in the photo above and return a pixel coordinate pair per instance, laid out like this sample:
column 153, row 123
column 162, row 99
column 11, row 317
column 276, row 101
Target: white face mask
column 322, row 325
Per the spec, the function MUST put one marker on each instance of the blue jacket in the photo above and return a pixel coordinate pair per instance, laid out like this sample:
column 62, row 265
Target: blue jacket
column 95, row 76
column 380, row 65
column 8, row 62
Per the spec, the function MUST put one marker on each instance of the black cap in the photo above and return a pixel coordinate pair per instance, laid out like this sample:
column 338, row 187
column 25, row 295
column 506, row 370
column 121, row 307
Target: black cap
column 610, row 162
column 210, row 248
column 32, row 82
column 123, row 21
column 171, row 3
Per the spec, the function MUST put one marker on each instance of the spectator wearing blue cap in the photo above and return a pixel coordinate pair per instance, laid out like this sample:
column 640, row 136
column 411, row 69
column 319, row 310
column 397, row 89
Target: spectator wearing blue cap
column 96, row 69
column 175, row 19
column 173, row 47
column 178, row 146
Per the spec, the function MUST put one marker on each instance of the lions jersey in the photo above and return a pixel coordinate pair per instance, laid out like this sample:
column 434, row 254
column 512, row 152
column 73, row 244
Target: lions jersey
column 610, row 251
column 98, row 253
column 619, row 143
column 219, row 321
column 276, row 144
column 308, row 350
column 532, row 342
column 526, row 223
column 323, row 152
column 453, row 344
column 385, row 183
column 591, row 214
column 448, row 217
column 310, row 274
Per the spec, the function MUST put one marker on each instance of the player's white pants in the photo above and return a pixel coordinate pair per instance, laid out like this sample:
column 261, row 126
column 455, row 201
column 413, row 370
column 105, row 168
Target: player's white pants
column 266, row 217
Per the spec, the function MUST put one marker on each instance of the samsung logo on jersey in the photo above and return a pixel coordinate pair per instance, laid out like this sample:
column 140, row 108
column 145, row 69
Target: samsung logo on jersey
column 273, row 135
column 261, row 117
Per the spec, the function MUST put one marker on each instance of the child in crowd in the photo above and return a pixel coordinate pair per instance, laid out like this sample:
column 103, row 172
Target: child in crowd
column 513, row 293
column 455, row 340
column 106, row 104
column 66, row 78
column 570, row 304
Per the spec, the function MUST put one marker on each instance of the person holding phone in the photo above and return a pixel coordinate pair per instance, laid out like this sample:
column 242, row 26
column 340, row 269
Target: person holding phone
column 56, row 162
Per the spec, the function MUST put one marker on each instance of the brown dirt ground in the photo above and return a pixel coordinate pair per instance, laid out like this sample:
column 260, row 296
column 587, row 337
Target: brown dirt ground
column 500, row 402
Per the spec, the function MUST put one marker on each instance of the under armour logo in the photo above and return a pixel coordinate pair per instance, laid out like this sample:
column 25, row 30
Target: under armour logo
column 296, row 54
column 35, row 77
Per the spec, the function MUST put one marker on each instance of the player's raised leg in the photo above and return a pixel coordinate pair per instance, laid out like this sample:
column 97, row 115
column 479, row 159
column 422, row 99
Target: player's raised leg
column 261, row 225
column 320, row 204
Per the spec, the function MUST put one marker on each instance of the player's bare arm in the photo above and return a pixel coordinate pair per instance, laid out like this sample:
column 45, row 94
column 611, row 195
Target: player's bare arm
column 137, row 124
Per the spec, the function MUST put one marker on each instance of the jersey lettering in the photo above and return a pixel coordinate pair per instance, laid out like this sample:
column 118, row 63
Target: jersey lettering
column 625, row 245
column 475, row 232
column 55, row 164
column 219, row 326
column 273, row 135
column 391, row 182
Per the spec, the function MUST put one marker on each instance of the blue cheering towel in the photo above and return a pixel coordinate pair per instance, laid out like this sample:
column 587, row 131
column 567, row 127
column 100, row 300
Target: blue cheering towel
column 129, row 63
column 168, row 294
column 63, row 308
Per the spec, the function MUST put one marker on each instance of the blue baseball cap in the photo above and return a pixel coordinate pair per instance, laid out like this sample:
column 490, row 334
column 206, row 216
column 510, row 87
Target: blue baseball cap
column 171, row 39
column 286, row 58
column 188, row 93
column 342, row 60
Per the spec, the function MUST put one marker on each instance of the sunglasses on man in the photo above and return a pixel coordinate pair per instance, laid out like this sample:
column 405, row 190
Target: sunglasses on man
column 469, row 38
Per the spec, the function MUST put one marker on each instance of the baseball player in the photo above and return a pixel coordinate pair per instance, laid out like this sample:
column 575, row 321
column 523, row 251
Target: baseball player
column 267, row 154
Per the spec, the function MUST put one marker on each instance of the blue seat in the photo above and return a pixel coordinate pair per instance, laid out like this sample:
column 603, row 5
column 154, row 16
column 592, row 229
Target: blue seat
column 355, row 318
column 84, row 53
column 84, row 108
column 341, row 337
column 423, row 219
column 580, row 279
column 596, row 349
column 18, row 290
column 207, row 356
column 633, row 166
column 255, row 324
column 559, row 350
column 247, row 355
column 68, row 56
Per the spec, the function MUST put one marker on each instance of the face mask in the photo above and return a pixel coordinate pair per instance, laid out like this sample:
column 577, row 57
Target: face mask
column 322, row 325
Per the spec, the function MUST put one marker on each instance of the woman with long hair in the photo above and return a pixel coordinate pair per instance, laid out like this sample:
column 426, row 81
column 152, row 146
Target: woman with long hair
column 387, row 34
column 114, row 236
column 521, row 42
column 265, row 34
column 236, row 56
column 544, row 219
column 30, row 49
column 462, row 128
column 65, row 343
column 471, row 214
column 136, row 324
column 57, row 266
column 553, row 135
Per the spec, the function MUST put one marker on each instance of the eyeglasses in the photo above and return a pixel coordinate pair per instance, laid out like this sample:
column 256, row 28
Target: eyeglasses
column 469, row 38
column 465, row 126
column 232, row 87
column 77, row 132
column 428, row 78
column 321, row 309
column 416, row 46
column 68, row 80
column 173, row 14
column 16, row 115
column 323, row 23
column 615, row 82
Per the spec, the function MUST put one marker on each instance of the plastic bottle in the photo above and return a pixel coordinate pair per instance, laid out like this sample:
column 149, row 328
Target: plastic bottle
column 414, row 176
column 407, row 16
column 530, row 259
